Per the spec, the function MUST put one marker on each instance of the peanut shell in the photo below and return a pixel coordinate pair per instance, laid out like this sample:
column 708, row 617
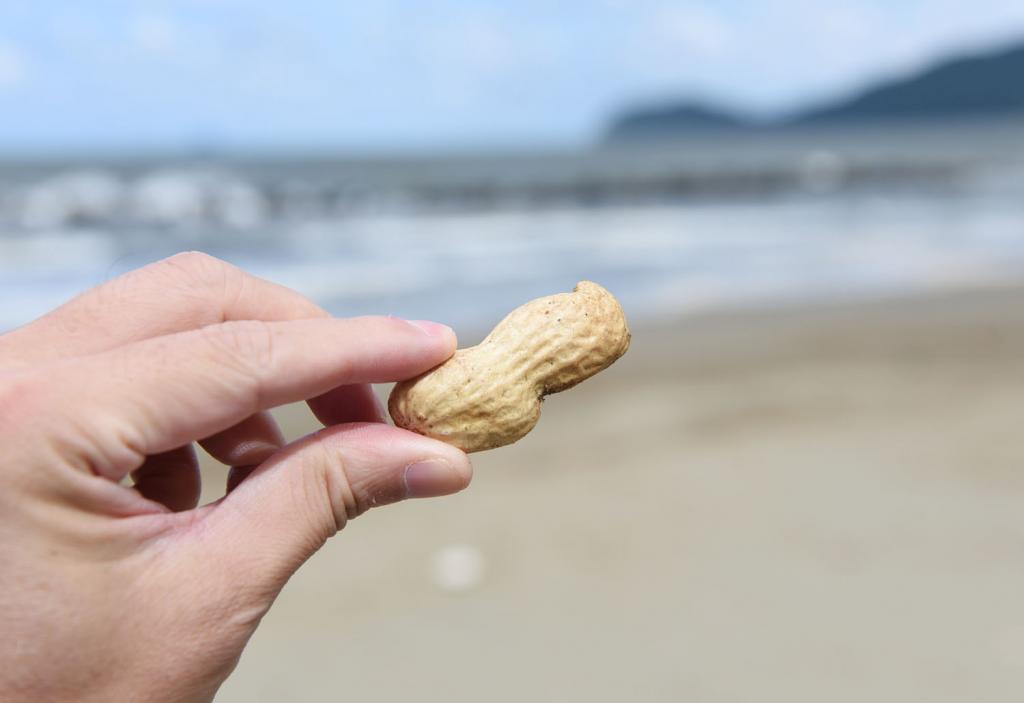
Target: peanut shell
column 490, row 395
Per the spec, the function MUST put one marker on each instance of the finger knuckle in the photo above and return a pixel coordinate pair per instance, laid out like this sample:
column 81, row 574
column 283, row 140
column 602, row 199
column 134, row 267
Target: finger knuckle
column 27, row 427
column 19, row 394
column 196, row 263
column 244, row 351
column 334, row 484
column 248, row 342
column 204, row 272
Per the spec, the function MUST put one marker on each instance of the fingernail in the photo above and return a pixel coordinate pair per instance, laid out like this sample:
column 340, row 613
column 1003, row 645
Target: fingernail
column 433, row 329
column 431, row 477
column 254, row 452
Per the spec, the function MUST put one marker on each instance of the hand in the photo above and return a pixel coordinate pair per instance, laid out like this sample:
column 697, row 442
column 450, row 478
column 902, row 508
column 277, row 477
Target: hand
column 118, row 593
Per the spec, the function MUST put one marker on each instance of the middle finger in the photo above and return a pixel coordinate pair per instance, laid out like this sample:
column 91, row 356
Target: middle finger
column 251, row 441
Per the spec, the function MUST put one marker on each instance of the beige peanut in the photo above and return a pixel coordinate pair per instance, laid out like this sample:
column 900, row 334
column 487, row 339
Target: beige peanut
column 490, row 395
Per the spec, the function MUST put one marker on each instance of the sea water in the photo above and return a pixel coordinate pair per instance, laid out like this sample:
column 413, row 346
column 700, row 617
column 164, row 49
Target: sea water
column 703, row 224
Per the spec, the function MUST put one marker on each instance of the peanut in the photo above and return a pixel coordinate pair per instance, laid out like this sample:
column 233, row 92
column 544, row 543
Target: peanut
column 490, row 395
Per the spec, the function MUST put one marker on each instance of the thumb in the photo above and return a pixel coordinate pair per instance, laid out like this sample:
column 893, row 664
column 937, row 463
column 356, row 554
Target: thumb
column 263, row 530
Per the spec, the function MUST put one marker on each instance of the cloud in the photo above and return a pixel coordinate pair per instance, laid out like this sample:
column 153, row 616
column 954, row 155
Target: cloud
column 698, row 29
column 157, row 35
column 14, row 68
column 773, row 55
column 398, row 72
column 470, row 56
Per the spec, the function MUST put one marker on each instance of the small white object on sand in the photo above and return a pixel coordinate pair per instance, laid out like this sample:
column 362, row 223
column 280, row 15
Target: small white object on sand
column 457, row 568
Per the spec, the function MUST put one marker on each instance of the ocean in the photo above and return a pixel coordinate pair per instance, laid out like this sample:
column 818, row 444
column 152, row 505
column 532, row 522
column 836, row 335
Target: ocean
column 713, row 221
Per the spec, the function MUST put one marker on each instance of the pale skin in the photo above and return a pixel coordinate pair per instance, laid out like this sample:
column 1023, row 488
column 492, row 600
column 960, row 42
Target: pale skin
column 113, row 584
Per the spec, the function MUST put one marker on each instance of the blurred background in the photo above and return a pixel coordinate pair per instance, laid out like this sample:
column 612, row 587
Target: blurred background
column 803, row 483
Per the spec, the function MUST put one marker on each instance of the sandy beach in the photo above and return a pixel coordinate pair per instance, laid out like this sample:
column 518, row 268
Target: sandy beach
column 814, row 504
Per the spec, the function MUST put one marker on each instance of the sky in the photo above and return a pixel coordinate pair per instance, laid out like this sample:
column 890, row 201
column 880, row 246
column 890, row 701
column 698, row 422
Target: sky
column 392, row 75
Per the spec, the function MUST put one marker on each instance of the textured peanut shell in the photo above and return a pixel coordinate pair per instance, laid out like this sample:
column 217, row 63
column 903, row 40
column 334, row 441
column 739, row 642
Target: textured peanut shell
column 490, row 395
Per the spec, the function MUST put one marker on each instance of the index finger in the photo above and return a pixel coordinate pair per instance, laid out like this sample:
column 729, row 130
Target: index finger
column 146, row 398
column 186, row 291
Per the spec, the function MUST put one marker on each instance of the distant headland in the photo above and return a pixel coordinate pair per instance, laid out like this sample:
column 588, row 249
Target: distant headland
column 978, row 85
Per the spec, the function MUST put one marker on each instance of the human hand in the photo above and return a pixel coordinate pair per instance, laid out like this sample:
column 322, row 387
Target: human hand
column 117, row 593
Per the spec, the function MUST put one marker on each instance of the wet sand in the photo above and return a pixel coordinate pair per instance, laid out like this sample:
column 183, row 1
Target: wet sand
column 798, row 505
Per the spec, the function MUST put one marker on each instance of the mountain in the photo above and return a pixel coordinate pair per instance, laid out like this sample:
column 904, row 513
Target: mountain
column 966, row 86
column 659, row 122
column 977, row 85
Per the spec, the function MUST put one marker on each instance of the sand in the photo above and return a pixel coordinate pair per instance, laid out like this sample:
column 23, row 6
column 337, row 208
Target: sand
column 800, row 505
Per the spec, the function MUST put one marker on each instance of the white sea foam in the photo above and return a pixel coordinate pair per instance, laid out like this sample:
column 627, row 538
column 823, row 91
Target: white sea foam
column 365, row 240
column 660, row 260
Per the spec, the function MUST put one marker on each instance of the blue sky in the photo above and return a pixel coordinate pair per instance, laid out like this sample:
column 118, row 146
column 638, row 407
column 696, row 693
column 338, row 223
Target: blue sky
column 397, row 74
